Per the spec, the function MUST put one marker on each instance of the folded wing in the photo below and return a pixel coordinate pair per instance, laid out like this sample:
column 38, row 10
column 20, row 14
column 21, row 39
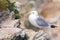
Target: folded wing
column 41, row 22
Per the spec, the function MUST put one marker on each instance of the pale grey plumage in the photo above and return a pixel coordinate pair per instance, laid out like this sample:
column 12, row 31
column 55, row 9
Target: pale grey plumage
column 41, row 22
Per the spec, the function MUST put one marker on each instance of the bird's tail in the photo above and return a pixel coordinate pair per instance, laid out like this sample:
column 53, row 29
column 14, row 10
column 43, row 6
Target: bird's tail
column 52, row 26
column 49, row 26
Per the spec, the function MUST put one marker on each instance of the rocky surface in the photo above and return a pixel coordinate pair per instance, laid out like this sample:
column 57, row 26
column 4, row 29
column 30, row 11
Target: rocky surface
column 9, row 33
column 10, row 24
column 4, row 15
column 41, row 35
column 51, row 12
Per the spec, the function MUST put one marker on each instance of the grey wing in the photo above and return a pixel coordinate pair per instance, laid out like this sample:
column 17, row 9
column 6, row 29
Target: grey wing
column 41, row 22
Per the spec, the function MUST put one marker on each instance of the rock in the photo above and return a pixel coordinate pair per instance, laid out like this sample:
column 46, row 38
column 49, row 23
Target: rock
column 41, row 35
column 56, row 0
column 10, row 24
column 51, row 12
column 9, row 33
column 4, row 15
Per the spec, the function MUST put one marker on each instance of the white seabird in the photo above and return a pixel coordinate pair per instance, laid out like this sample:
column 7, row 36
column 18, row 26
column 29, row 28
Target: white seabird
column 38, row 21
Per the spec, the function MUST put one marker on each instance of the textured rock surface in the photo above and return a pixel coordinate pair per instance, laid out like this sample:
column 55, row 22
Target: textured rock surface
column 10, row 24
column 41, row 35
column 4, row 15
column 9, row 33
column 51, row 12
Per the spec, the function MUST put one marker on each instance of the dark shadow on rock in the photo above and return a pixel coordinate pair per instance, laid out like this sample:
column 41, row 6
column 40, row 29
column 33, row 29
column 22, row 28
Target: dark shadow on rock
column 20, row 38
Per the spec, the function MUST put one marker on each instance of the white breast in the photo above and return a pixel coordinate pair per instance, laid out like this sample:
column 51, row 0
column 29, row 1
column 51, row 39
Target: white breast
column 32, row 19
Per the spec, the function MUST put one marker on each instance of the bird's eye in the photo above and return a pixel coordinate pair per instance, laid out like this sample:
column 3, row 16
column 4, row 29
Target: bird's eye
column 33, row 12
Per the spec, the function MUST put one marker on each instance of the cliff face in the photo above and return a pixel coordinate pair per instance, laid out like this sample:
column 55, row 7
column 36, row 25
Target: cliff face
column 51, row 12
column 4, row 15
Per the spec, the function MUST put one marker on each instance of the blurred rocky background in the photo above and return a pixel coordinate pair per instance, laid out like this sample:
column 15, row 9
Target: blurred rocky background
column 11, row 28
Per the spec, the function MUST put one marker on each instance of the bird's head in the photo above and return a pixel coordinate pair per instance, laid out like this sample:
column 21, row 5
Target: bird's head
column 32, row 13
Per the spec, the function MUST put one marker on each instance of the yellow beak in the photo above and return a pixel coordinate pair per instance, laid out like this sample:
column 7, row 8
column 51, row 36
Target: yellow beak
column 28, row 13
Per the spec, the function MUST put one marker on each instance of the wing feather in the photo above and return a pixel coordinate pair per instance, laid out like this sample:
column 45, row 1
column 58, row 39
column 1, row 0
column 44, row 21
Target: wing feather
column 41, row 22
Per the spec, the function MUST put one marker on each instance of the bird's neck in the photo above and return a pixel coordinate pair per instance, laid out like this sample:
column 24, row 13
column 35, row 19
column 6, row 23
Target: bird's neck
column 35, row 14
